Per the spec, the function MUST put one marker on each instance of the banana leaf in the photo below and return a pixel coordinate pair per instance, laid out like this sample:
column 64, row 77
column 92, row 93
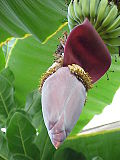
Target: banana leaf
column 40, row 18
column 98, row 145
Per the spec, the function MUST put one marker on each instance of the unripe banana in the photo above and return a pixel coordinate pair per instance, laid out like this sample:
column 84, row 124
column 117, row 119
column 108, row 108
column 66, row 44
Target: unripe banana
column 86, row 8
column 115, row 24
column 71, row 12
column 108, row 8
column 96, row 7
column 78, row 10
column 113, row 34
column 71, row 20
column 111, row 16
column 113, row 41
column 101, row 14
column 93, row 10
column 101, row 10
column 71, row 23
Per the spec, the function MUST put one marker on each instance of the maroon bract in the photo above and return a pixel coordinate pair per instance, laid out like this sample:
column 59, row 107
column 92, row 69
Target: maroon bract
column 85, row 47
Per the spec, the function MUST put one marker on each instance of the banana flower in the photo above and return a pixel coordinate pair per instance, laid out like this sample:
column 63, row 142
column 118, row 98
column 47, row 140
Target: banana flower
column 64, row 86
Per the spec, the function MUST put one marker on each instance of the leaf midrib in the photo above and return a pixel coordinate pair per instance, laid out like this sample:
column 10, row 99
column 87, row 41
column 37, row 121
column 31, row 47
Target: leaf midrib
column 6, row 79
column 44, row 147
column 22, row 140
column 3, row 157
column 5, row 107
column 19, row 154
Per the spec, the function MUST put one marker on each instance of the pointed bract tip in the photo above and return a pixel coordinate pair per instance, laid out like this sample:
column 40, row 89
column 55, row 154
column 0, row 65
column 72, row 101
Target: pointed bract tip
column 56, row 144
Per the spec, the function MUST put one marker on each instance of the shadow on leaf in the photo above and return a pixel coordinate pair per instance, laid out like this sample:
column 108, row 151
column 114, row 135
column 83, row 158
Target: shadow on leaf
column 69, row 154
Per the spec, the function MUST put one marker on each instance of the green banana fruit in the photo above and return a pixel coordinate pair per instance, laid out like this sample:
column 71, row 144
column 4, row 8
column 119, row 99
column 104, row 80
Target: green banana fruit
column 85, row 8
column 71, row 23
column 114, row 25
column 113, row 34
column 78, row 10
column 104, row 17
column 108, row 8
column 111, row 16
column 113, row 41
column 71, row 12
column 96, row 7
column 92, row 10
column 101, row 10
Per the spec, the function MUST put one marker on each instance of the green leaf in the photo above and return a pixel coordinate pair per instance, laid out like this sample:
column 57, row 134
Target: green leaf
column 3, row 35
column 20, row 157
column 113, row 50
column 44, row 144
column 33, row 107
column 4, row 151
column 20, row 135
column 13, row 111
column 6, row 94
column 94, row 146
column 28, row 61
column 2, row 60
column 8, row 75
column 40, row 18
column 7, row 48
column 33, row 103
column 70, row 154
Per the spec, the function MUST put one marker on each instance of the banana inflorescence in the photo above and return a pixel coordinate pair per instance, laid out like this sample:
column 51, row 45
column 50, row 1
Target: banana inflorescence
column 103, row 15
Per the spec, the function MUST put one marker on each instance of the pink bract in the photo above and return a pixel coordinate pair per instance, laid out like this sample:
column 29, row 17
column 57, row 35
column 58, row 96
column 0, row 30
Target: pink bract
column 63, row 97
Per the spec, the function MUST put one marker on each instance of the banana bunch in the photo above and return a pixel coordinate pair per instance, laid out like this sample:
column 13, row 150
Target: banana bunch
column 103, row 15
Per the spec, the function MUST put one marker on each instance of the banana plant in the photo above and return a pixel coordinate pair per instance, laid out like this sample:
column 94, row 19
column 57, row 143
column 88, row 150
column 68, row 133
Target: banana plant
column 23, row 60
